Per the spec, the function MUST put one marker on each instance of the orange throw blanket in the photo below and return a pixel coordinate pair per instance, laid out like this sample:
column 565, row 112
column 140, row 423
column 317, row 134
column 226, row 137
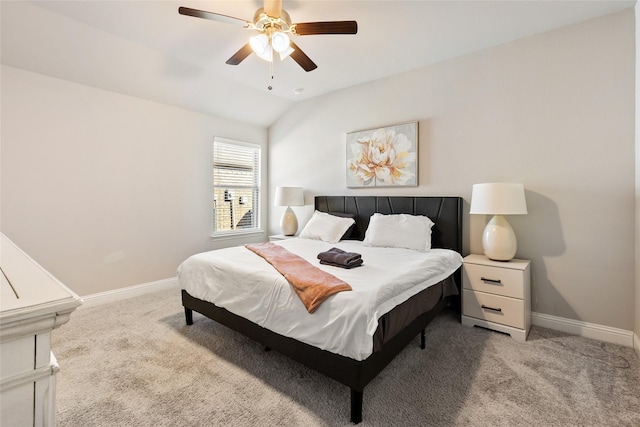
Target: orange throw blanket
column 312, row 285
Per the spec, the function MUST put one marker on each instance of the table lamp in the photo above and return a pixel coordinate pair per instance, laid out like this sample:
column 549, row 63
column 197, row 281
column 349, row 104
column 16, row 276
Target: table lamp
column 289, row 196
column 498, row 199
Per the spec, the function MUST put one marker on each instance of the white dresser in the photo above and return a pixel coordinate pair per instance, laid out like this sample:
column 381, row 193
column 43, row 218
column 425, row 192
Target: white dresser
column 497, row 295
column 32, row 304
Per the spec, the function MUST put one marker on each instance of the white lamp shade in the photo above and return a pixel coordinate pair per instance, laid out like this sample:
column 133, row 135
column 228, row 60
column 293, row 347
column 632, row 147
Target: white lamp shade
column 286, row 53
column 279, row 41
column 499, row 198
column 289, row 196
column 267, row 55
column 262, row 48
column 259, row 44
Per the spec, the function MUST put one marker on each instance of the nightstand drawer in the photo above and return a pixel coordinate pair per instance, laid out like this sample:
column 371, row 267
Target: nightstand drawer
column 494, row 308
column 502, row 281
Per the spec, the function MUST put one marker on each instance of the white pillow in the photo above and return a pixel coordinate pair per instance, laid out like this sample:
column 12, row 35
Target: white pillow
column 328, row 228
column 399, row 231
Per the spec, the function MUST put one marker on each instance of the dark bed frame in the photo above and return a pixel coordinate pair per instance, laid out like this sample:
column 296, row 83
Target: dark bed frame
column 445, row 212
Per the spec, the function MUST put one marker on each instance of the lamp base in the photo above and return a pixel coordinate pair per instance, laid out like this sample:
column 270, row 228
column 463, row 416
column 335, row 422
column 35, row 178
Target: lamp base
column 498, row 240
column 289, row 222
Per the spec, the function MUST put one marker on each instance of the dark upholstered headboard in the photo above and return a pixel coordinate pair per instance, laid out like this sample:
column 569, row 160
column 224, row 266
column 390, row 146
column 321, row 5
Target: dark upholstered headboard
column 445, row 212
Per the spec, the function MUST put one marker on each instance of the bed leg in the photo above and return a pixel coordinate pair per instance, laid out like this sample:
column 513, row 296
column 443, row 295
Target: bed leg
column 188, row 314
column 356, row 406
column 422, row 340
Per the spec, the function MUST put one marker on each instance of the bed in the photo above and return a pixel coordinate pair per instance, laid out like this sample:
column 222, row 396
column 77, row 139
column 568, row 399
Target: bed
column 369, row 349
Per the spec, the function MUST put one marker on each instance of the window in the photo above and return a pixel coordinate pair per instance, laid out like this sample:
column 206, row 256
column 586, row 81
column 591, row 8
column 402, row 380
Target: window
column 236, row 186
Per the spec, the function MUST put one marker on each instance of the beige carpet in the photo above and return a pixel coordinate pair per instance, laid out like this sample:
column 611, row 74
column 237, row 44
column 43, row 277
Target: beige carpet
column 136, row 363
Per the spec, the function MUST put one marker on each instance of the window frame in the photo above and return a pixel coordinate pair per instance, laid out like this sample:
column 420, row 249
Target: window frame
column 258, row 204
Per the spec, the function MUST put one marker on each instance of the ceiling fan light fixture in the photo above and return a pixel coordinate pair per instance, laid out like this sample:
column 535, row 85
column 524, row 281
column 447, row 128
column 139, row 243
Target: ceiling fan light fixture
column 267, row 55
column 280, row 41
column 285, row 54
column 260, row 44
column 274, row 25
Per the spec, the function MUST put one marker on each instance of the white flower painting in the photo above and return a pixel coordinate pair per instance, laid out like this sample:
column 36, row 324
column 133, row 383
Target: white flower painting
column 384, row 157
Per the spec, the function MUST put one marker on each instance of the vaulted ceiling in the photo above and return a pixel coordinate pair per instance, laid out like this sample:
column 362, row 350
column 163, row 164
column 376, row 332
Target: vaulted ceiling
column 146, row 49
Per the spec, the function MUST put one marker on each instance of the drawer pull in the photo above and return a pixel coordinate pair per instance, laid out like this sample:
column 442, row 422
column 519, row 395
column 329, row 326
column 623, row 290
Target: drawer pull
column 494, row 281
column 499, row 310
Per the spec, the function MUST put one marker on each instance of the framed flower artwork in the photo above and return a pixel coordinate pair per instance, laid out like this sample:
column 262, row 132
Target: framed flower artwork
column 383, row 157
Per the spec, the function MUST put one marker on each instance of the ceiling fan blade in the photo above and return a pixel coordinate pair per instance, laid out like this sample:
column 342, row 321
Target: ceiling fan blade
column 273, row 8
column 302, row 59
column 240, row 55
column 212, row 16
column 330, row 27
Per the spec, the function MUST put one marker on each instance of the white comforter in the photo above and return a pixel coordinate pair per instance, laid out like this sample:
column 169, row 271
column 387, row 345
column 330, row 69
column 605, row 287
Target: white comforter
column 245, row 284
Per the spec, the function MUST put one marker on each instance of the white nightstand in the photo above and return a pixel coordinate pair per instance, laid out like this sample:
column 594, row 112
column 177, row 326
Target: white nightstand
column 497, row 295
column 275, row 237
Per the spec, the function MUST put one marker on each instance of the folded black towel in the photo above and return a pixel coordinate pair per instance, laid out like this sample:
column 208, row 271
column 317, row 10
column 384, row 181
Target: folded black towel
column 358, row 263
column 338, row 257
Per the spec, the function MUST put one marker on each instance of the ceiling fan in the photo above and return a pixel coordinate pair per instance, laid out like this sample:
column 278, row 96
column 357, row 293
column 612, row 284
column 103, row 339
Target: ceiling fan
column 273, row 25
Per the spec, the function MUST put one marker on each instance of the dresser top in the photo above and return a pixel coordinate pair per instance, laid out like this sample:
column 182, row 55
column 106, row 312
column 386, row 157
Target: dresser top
column 514, row 264
column 27, row 288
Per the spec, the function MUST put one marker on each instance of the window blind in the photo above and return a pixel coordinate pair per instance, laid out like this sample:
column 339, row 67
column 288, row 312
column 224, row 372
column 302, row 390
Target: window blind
column 236, row 186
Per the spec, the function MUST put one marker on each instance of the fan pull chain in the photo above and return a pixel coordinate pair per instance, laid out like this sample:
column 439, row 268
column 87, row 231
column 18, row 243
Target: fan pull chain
column 271, row 74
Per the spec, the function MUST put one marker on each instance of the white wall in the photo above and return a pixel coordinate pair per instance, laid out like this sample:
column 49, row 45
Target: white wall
column 106, row 190
column 554, row 111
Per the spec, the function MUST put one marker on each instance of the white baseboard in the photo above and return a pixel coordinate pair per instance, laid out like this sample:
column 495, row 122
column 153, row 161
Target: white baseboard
column 128, row 292
column 636, row 343
column 587, row 330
